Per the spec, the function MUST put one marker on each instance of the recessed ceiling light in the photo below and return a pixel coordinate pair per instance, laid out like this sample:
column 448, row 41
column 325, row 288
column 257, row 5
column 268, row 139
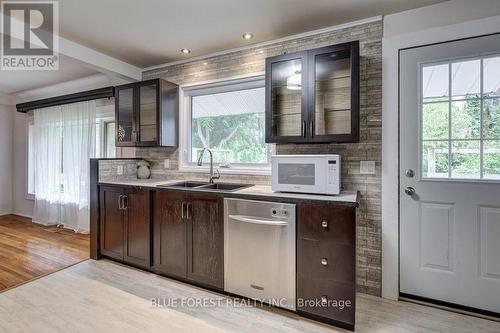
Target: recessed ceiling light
column 205, row 63
column 247, row 35
column 185, row 51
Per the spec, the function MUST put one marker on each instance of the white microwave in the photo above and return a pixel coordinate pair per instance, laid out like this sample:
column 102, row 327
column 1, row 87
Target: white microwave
column 318, row 174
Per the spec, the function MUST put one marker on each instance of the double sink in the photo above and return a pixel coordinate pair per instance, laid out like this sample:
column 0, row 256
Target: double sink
column 222, row 187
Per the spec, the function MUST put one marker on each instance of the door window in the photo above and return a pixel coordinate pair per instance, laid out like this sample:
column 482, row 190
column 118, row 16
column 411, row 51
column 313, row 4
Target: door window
column 460, row 119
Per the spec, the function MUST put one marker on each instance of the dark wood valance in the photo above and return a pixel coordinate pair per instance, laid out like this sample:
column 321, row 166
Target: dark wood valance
column 66, row 99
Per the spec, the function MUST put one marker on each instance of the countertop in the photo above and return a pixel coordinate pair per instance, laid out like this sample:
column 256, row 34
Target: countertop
column 256, row 191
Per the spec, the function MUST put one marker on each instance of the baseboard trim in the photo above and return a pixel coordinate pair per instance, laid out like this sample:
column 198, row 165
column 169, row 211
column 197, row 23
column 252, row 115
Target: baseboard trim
column 463, row 309
column 22, row 215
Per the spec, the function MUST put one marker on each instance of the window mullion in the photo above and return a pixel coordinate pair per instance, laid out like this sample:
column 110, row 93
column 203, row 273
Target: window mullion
column 449, row 120
column 481, row 144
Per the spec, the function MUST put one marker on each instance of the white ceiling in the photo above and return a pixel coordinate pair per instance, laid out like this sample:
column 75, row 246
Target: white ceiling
column 150, row 32
column 13, row 82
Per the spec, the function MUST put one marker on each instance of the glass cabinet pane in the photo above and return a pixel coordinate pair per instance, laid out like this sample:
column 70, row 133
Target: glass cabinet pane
column 286, row 98
column 332, row 93
column 147, row 113
column 125, row 115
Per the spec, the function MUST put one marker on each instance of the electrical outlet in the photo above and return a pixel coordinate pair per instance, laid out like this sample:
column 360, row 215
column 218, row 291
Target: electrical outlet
column 119, row 170
column 166, row 163
column 367, row 167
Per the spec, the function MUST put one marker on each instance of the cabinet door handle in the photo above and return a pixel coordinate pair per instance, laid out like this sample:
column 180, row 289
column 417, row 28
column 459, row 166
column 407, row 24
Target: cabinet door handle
column 324, row 261
column 120, row 201
column 312, row 128
column 182, row 209
column 188, row 206
column 324, row 224
column 304, row 128
column 124, row 200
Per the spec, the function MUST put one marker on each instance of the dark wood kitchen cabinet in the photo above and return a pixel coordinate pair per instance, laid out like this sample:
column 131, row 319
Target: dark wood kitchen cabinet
column 147, row 114
column 125, row 224
column 111, row 222
column 205, row 242
column 189, row 237
column 313, row 96
column 169, row 234
column 326, row 263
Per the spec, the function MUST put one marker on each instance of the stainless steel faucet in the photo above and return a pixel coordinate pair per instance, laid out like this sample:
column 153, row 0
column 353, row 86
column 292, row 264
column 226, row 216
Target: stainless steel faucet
column 211, row 175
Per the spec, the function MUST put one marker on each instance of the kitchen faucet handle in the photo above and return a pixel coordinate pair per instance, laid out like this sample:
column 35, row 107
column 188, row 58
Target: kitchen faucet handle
column 200, row 157
column 218, row 174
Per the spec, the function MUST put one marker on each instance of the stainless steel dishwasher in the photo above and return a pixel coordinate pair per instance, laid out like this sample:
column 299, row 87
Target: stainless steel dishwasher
column 259, row 251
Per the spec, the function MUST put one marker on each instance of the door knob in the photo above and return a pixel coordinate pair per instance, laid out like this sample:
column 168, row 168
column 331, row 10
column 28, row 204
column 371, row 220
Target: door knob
column 410, row 190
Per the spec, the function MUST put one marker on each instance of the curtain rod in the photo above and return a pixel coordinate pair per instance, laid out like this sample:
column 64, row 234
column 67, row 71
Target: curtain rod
column 66, row 99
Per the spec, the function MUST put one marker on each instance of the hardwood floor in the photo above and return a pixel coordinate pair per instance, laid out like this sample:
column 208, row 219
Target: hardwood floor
column 102, row 296
column 29, row 251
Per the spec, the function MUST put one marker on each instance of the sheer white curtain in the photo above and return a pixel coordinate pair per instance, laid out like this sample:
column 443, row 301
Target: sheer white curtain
column 64, row 140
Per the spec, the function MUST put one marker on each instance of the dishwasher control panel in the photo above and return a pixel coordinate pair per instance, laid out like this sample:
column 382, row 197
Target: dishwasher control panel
column 280, row 212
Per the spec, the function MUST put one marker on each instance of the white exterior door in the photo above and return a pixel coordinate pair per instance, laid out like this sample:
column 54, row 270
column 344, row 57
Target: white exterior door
column 450, row 173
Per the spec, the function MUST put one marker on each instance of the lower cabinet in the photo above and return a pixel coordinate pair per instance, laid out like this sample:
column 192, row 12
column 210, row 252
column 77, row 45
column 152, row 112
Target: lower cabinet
column 169, row 234
column 205, row 241
column 111, row 222
column 188, row 243
column 125, row 226
column 189, row 237
column 326, row 263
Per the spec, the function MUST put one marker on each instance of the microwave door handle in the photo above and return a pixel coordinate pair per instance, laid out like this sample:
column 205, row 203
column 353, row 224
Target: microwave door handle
column 248, row 219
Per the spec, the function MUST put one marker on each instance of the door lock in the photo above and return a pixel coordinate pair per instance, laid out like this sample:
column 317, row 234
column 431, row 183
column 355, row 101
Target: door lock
column 410, row 190
column 409, row 173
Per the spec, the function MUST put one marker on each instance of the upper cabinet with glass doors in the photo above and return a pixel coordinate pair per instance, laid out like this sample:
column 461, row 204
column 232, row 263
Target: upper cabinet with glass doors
column 147, row 114
column 313, row 96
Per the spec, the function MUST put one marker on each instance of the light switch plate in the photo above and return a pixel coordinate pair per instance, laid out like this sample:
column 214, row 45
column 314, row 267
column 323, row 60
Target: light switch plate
column 367, row 167
column 166, row 163
column 119, row 170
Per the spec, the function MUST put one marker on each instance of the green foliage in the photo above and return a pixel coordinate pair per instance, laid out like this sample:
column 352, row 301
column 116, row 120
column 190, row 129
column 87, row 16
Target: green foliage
column 440, row 158
column 232, row 139
column 435, row 121
column 492, row 118
column 465, row 135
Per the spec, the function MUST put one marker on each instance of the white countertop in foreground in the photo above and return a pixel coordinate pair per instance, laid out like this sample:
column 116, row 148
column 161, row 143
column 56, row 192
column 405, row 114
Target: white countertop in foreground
column 256, row 190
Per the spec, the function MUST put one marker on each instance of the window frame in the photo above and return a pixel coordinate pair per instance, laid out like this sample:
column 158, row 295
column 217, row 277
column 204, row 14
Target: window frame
column 103, row 123
column 213, row 87
column 30, row 121
column 449, row 140
column 104, row 141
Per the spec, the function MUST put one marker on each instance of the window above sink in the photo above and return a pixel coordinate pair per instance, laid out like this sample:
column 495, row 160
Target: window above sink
column 228, row 118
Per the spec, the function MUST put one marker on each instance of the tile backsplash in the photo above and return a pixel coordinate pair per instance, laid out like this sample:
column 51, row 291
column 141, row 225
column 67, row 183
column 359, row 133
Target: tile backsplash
column 251, row 62
column 108, row 169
